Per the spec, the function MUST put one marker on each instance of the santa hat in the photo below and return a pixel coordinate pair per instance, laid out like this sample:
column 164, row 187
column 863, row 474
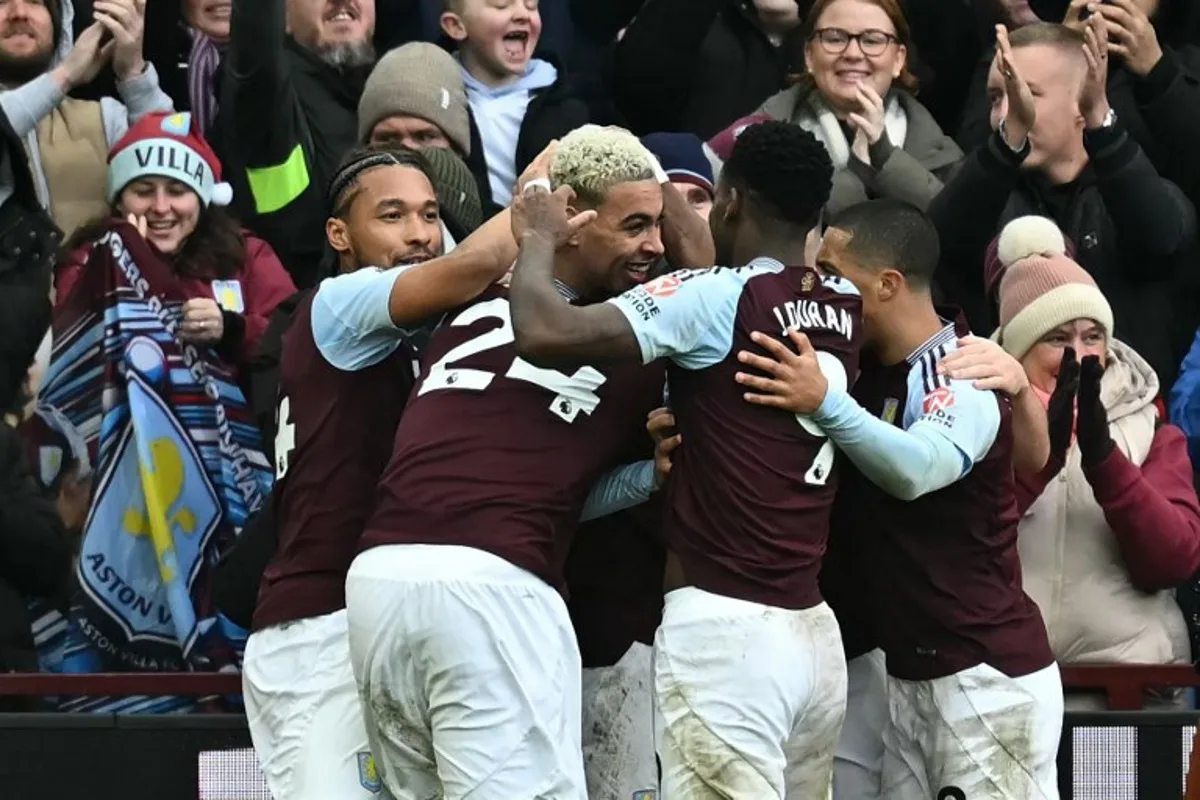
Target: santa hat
column 722, row 144
column 167, row 146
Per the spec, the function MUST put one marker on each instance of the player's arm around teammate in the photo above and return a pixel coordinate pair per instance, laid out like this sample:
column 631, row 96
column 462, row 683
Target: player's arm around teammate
column 985, row 363
column 906, row 463
column 372, row 305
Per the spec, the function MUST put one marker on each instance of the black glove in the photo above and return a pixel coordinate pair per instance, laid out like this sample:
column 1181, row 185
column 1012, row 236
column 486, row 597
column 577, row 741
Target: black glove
column 1060, row 412
column 1095, row 443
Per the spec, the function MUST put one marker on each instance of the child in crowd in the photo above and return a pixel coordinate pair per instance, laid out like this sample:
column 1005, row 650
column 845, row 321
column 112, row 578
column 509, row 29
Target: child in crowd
column 518, row 103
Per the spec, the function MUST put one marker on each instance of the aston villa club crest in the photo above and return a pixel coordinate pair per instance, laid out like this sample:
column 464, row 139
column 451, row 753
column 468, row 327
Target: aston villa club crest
column 808, row 282
column 890, row 406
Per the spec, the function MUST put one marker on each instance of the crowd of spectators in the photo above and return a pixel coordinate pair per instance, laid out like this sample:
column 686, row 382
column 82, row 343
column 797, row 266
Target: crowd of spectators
column 967, row 109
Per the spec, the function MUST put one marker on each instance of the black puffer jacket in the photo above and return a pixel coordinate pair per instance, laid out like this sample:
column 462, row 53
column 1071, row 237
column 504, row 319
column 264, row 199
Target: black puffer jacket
column 1135, row 234
column 694, row 65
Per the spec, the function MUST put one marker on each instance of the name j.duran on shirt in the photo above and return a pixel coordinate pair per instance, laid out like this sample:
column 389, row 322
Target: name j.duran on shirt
column 808, row 314
column 174, row 159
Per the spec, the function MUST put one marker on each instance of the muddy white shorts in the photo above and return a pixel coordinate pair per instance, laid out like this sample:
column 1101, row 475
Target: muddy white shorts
column 975, row 735
column 858, row 766
column 305, row 719
column 618, row 728
column 468, row 673
column 749, row 698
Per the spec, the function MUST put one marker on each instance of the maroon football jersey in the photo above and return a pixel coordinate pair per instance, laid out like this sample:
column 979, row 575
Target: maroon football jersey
column 943, row 574
column 496, row 454
column 334, row 438
column 750, row 491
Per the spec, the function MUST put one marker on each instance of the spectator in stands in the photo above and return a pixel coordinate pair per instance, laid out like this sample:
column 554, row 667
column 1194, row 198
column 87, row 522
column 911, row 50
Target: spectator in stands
column 164, row 178
column 857, row 98
column 293, row 74
column 1061, row 151
column 1112, row 524
column 1152, row 82
column 35, row 549
column 684, row 159
column 457, row 193
column 1184, row 402
column 415, row 98
column 519, row 104
column 67, row 138
column 207, row 23
column 696, row 65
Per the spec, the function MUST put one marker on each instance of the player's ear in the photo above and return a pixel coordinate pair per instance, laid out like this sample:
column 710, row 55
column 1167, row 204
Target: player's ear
column 889, row 283
column 452, row 26
column 573, row 212
column 338, row 235
column 733, row 209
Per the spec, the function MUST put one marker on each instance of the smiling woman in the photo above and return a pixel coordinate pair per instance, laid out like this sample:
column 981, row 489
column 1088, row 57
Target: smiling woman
column 857, row 96
column 165, row 182
column 209, row 17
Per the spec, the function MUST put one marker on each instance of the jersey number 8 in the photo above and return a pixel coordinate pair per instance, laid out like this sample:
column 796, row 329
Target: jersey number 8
column 572, row 393
column 835, row 375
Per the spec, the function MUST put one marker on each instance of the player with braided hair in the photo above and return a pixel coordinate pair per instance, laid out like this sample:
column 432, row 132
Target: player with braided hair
column 750, row 680
column 337, row 415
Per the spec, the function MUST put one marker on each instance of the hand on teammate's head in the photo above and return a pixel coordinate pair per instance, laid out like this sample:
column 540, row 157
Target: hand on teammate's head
column 549, row 215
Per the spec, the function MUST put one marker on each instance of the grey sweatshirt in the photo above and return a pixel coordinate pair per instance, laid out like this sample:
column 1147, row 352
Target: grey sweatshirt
column 26, row 106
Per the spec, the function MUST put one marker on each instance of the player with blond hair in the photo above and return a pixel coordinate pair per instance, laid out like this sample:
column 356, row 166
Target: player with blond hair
column 462, row 647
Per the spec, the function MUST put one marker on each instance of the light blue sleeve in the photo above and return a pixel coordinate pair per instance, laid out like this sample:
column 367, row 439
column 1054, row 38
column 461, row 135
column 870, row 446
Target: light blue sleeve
column 351, row 323
column 622, row 488
column 687, row 315
column 957, row 429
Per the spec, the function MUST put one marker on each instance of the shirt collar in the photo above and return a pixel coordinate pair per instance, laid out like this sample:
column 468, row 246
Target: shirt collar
column 945, row 335
column 566, row 291
column 767, row 263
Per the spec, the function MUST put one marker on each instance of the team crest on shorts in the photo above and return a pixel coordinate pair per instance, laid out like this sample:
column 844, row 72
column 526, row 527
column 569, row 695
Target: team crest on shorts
column 645, row 794
column 368, row 775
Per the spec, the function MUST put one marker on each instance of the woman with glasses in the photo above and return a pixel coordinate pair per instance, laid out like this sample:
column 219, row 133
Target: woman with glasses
column 858, row 97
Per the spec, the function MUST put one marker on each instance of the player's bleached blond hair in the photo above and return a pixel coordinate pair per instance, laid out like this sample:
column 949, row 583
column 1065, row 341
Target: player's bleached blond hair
column 592, row 160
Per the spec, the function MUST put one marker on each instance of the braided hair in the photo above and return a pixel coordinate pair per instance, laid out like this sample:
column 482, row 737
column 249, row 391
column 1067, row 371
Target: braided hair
column 361, row 160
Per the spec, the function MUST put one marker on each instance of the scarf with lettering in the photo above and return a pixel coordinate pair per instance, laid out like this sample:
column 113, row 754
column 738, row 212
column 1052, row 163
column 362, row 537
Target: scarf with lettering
column 178, row 469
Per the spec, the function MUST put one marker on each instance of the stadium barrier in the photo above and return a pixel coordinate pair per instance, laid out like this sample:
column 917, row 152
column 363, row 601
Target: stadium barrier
column 1121, row 754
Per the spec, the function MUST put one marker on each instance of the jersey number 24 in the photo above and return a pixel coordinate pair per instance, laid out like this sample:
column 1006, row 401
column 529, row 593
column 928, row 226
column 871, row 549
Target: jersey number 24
column 571, row 393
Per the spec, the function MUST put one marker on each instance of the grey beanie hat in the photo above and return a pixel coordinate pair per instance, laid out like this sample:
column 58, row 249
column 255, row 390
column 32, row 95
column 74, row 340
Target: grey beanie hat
column 417, row 79
column 457, row 192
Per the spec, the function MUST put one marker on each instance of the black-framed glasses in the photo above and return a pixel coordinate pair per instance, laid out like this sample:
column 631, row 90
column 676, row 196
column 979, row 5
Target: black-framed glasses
column 872, row 42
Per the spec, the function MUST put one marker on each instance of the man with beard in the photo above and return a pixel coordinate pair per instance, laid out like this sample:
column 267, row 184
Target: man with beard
column 336, row 421
column 67, row 139
column 294, row 71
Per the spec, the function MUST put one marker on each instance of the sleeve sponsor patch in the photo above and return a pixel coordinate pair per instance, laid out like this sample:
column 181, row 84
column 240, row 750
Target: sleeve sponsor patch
column 939, row 399
column 665, row 286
